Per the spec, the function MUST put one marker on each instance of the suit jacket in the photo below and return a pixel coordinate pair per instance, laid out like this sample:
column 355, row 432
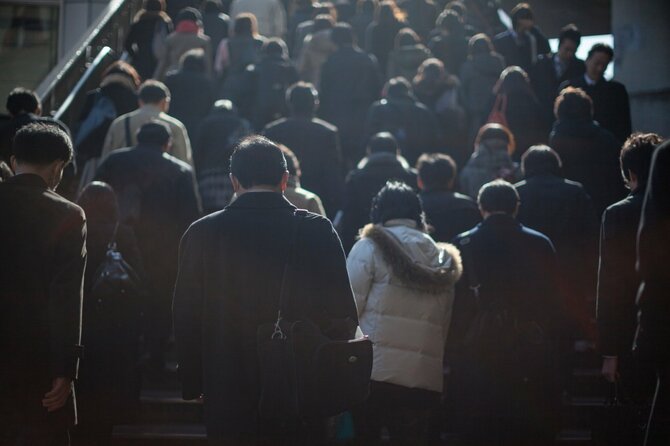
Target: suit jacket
column 506, row 44
column 546, row 83
column 611, row 107
column 43, row 259
column 449, row 213
column 230, row 271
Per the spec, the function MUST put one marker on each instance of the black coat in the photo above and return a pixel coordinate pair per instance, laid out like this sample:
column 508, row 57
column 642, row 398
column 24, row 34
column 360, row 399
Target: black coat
column 215, row 25
column 379, row 41
column 158, row 199
column 192, row 96
column 362, row 184
column 271, row 77
column 17, row 122
column 316, row 144
column 618, row 280
column 546, row 83
column 43, row 257
column 611, row 107
column 590, row 156
column 526, row 121
column 139, row 44
column 350, row 83
column 452, row 50
column 219, row 301
column 449, row 213
column 520, row 54
column 421, row 15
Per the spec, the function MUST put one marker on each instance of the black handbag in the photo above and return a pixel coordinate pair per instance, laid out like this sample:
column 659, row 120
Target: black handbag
column 305, row 372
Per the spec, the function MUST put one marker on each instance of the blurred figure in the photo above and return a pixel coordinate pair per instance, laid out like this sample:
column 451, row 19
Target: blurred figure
column 479, row 74
column 215, row 24
column 490, row 161
column 316, row 49
column 109, row 378
column 407, row 55
column 365, row 14
column 350, row 83
column 158, row 200
column 521, row 45
column 380, row 35
column 270, row 14
column 299, row 197
column 449, row 43
column 403, row 283
column 217, row 135
column 611, row 108
column 191, row 90
column 448, row 213
column 315, row 142
column 590, row 154
column 382, row 164
column 421, row 15
column 145, row 41
column 410, row 122
column 552, row 69
column 303, row 10
column 188, row 35
column 306, row 28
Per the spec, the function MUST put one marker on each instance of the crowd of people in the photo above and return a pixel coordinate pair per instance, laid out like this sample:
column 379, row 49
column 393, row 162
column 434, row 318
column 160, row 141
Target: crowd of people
column 488, row 198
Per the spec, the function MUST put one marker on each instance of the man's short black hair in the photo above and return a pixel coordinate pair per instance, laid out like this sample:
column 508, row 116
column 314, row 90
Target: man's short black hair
column 193, row 61
column 41, row 144
column 154, row 133
column 257, row 161
column 436, row 171
column 636, row 155
column 573, row 104
column 383, row 142
column 342, row 35
column 153, row 92
column 522, row 11
column 601, row 48
column 302, row 98
column 498, row 196
column 540, row 160
column 22, row 100
column 570, row 32
column 397, row 200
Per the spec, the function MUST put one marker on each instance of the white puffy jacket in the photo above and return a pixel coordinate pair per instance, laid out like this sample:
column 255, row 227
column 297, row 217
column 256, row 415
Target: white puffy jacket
column 403, row 283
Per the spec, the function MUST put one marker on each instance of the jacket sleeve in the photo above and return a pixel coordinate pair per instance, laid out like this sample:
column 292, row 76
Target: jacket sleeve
column 361, row 268
column 65, row 296
column 187, row 307
column 181, row 146
column 279, row 17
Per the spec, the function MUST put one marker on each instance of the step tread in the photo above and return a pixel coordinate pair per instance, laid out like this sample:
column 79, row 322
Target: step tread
column 160, row 431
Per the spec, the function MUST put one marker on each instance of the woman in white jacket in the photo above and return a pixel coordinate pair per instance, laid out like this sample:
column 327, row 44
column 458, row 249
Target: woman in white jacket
column 403, row 283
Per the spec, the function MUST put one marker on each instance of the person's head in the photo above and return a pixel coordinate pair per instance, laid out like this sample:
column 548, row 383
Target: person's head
column 325, row 8
column 397, row 88
column 635, row 158
column 275, row 47
column 366, row 7
column 498, row 197
column 450, row 23
column 388, row 13
column 245, row 25
column 154, row 93
column 406, row 37
column 513, row 80
column 323, row 22
column 573, row 104
column 99, row 203
column 21, row 100
column 397, row 200
column 258, row 164
column 496, row 137
column 292, row 163
column 302, row 99
column 155, row 134
column 383, row 142
column 189, row 14
column 598, row 58
column 479, row 44
column 153, row 5
column 540, row 160
column 193, row 61
column 458, row 7
column 42, row 149
column 523, row 19
column 437, row 171
column 342, row 35
column 212, row 7
column 431, row 71
column 568, row 41
column 224, row 106
column 122, row 72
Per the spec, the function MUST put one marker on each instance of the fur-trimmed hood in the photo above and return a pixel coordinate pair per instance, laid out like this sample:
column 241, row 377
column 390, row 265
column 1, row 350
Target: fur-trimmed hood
column 444, row 271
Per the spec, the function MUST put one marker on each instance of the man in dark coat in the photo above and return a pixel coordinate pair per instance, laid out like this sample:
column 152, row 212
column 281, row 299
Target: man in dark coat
column 316, row 143
column 653, row 336
column 611, row 107
column 215, row 23
column 231, row 266
column 408, row 120
column 350, row 83
column 43, row 259
column 504, row 379
column 447, row 212
column 589, row 153
column 158, row 199
column 552, row 69
column 382, row 164
column 522, row 44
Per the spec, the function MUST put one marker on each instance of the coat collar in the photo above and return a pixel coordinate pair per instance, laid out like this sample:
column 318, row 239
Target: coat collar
column 29, row 180
column 261, row 200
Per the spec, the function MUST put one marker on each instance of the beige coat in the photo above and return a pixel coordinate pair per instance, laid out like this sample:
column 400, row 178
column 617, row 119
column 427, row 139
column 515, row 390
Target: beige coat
column 304, row 199
column 270, row 15
column 176, row 45
column 403, row 283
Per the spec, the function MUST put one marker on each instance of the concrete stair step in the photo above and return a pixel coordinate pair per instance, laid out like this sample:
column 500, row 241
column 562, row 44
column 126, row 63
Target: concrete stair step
column 159, row 434
column 167, row 406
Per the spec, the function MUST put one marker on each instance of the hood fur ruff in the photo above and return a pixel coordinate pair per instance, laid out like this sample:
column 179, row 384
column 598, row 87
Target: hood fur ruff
column 412, row 274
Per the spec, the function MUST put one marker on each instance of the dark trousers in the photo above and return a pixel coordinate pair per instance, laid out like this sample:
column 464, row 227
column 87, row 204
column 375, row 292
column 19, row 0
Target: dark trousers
column 35, row 435
column 658, row 428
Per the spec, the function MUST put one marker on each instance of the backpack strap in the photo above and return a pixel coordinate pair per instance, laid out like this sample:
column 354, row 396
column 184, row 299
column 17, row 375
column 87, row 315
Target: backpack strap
column 126, row 123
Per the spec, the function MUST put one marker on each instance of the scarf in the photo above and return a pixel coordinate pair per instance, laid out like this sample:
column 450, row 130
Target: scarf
column 188, row 26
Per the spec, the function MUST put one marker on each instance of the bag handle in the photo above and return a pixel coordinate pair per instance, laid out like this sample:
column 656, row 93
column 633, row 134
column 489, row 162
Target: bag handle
column 126, row 123
column 111, row 246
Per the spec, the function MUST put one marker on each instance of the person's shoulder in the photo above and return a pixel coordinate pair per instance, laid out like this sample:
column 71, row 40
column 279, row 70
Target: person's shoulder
column 616, row 87
column 118, row 155
column 327, row 126
column 537, row 236
column 275, row 125
column 178, row 165
column 502, row 36
column 464, row 199
column 65, row 207
column 173, row 122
